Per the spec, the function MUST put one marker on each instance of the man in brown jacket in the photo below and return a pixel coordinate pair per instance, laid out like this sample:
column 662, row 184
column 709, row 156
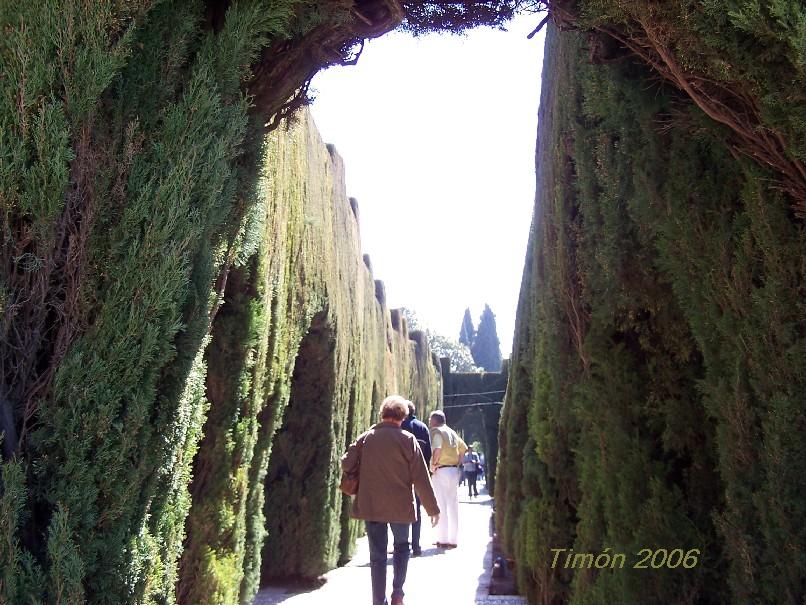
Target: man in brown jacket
column 390, row 462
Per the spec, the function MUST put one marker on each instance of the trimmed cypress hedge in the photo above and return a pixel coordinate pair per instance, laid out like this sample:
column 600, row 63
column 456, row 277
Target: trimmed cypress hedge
column 301, row 355
column 656, row 391
column 130, row 152
column 122, row 129
column 350, row 358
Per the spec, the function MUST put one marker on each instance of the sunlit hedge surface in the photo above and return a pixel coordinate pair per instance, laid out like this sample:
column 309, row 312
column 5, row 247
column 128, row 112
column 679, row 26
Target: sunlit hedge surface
column 302, row 352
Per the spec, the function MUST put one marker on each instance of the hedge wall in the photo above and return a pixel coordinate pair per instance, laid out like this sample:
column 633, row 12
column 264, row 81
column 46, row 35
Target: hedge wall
column 656, row 395
column 131, row 141
column 122, row 125
column 290, row 392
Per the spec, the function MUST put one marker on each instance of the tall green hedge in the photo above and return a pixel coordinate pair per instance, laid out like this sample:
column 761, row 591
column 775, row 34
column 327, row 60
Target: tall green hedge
column 351, row 356
column 130, row 151
column 302, row 351
column 121, row 126
column 656, row 391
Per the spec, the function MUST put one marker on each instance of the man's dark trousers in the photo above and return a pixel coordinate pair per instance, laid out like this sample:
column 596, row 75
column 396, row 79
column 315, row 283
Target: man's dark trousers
column 471, row 483
column 415, row 530
column 378, row 539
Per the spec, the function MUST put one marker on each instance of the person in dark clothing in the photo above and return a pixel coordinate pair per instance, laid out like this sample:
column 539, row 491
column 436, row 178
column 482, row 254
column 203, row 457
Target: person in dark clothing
column 470, row 463
column 420, row 431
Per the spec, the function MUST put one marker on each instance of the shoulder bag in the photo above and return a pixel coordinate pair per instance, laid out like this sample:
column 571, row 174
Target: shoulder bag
column 349, row 481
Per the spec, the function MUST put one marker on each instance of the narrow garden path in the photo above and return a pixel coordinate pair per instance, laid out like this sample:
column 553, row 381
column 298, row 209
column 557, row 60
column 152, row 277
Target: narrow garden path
column 460, row 576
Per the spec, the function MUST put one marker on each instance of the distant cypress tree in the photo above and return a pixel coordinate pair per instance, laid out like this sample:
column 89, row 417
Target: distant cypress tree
column 486, row 348
column 467, row 333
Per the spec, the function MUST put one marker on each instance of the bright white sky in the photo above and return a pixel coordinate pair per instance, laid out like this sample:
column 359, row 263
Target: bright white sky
column 438, row 139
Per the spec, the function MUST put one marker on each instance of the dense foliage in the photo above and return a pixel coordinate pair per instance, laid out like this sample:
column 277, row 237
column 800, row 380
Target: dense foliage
column 131, row 138
column 486, row 347
column 424, row 16
column 742, row 63
column 122, row 127
column 656, row 390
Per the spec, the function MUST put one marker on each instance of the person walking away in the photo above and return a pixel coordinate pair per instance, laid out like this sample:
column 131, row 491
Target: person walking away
column 470, row 462
column 416, row 427
column 447, row 449
column 389, row 463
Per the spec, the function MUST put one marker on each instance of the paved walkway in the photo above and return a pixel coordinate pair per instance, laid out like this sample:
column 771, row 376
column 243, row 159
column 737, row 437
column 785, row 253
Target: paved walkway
column 459, row 576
